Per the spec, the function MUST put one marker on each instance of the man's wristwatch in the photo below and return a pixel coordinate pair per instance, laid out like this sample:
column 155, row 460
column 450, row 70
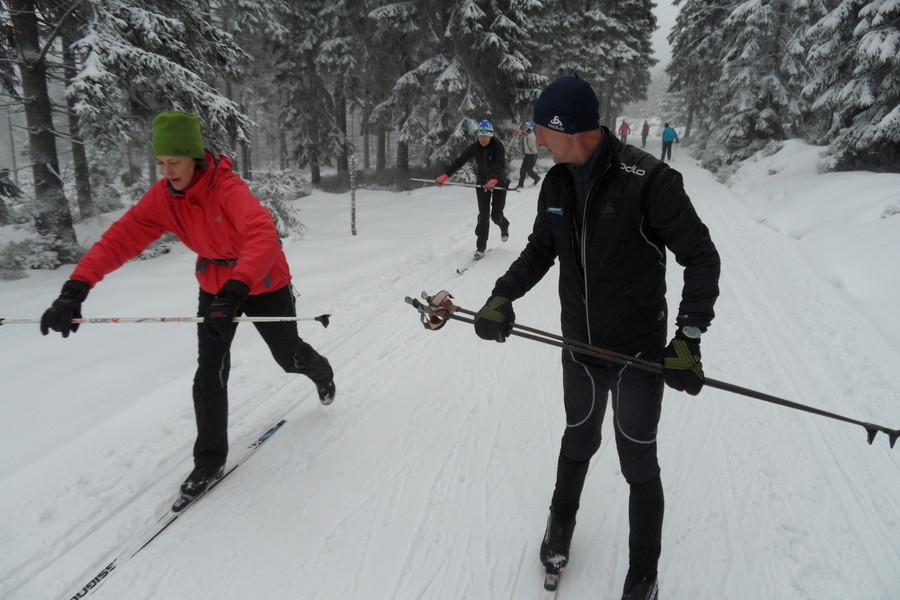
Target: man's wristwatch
column 691, row 332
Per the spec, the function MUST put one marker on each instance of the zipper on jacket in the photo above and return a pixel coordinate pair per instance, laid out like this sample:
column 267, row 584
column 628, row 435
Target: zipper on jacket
column 583, row 254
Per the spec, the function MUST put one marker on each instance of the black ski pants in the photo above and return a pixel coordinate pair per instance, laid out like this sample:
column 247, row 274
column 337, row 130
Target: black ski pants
column 666, row 151
column 214, row 365
column 490, row 208
column 636, row 406
column 527, row 168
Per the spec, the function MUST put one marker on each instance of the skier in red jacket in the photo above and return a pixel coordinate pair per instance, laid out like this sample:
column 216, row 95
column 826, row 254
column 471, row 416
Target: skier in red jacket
column 240, row 266
column 624, row 130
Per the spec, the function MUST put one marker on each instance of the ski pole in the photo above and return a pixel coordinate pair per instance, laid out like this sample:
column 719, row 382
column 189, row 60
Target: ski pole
column 445, row 309
column 463, row 184
column 323, row 319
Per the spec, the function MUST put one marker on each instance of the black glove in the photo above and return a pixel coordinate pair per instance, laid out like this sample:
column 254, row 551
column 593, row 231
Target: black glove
column 65, row 308
column 220, row 315
column 682, row 368
column 495, row 319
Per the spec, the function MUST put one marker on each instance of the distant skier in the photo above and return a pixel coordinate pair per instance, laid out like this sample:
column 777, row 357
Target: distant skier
column 669, row 135
column 525, row 135
column 645, row 131
column 240, row 266
column 624, row 130
column 490, row 172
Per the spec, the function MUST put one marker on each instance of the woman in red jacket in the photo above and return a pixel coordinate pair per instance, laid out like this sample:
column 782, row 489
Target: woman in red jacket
column 240, row 266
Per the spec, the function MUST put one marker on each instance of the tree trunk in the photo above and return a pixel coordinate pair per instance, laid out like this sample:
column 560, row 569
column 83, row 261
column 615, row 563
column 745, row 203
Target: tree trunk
column 245, row 154
column 340, row 118
column 52, row 217
column 380, row 151
column 403, row 157
column 315, row 172
column 282, row 149
column 690, row 122
column 83, row 192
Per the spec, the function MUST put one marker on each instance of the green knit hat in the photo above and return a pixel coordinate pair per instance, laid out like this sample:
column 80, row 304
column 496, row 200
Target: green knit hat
column 177, row 133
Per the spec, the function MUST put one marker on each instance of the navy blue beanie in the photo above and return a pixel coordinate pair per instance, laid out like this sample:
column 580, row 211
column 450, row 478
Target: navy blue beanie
column 568, row 105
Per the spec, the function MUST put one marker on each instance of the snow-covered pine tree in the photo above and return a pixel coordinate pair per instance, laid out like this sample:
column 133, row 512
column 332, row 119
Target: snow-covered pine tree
column 607, row 43
column 305, row 108
column 856, row 52
column 396, row 35
column 139, row 58
column 469, row 63
column 762, row 74
column 50, row 210
column 342, row 60
column 696, row 40
column 252, row 24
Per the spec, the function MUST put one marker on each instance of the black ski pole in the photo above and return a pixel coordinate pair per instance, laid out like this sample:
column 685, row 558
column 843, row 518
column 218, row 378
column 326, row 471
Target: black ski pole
column 446, row 310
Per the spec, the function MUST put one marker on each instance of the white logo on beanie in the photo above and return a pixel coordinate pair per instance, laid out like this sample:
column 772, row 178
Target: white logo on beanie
column 556, row 123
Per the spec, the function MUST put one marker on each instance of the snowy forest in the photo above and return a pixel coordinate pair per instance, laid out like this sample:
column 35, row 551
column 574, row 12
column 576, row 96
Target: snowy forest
column 389, row 88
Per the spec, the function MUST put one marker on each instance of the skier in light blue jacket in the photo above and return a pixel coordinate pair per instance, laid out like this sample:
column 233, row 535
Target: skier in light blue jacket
column 669, row 135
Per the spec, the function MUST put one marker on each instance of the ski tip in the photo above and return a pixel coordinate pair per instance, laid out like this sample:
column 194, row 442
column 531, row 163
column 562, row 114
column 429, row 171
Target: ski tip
column 181, row 503
column 551, row 580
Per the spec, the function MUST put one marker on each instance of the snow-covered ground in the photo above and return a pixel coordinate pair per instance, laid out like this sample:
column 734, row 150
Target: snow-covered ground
column 431, row 474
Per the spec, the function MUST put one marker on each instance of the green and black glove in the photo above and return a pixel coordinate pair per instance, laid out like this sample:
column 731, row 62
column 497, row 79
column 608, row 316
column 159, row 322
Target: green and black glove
column 219, row 318
column 682, row 368
column 65, row 308
column 495, row 319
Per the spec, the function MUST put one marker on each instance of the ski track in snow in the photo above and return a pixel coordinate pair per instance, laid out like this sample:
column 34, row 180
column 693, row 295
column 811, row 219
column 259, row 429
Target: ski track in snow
column 431, row 474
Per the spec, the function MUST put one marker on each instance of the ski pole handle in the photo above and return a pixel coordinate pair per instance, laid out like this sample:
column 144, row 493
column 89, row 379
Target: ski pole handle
column 323, row 319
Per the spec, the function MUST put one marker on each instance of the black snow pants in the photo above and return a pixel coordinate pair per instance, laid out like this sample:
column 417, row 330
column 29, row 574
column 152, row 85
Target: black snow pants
column 214, row 364
column 636, row 407
column 490, row 208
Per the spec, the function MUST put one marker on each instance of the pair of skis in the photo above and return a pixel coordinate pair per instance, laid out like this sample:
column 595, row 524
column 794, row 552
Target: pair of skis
column 143, row 539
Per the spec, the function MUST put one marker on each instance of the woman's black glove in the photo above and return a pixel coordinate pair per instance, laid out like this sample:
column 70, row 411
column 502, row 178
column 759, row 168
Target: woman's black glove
column 495, row 319
column 682, row 368
column 219, row 318
column 65, row 308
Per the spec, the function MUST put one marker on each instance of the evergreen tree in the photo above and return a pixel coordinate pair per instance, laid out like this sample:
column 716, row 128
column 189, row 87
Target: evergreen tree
column 757, row 97
column 857, row 53
column 305, row 108
column 342, row 61
column 468, row 63
column 52, row 217
column 607, row 43
column 696, row 40
column 140, row 58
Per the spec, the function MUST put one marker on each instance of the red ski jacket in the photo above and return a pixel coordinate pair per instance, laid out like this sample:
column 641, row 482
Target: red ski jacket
column 217, row 217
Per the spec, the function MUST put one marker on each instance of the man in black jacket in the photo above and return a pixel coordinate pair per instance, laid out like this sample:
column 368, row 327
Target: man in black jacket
column 491, row 180
column 608, row 212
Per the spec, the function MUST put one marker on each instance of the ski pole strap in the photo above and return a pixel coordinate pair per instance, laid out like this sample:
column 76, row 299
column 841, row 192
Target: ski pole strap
column 437, row 312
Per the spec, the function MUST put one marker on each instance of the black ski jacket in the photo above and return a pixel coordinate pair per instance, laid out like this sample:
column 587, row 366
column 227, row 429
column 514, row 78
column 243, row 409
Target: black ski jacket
column 490, row 162
column 612, row 269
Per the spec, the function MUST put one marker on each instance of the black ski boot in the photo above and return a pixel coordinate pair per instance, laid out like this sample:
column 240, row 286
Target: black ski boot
column 199, row 479
column 640, row 587
column 555, row 547
column 326, row 392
